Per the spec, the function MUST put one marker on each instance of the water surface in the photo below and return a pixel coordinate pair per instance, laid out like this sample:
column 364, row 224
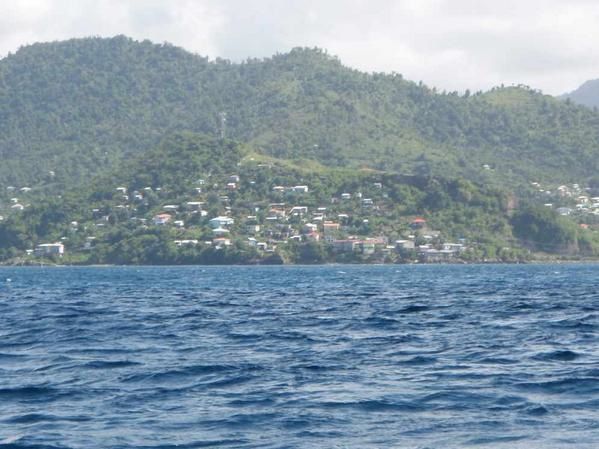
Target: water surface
column 300, row 357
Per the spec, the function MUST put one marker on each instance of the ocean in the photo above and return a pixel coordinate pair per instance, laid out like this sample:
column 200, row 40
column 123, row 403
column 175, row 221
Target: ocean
column 493, row 356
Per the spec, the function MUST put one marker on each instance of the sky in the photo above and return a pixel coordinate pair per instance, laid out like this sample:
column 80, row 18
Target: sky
column 449, row 44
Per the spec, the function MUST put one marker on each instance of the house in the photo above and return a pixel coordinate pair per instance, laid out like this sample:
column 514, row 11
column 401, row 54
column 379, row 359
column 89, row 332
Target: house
column 219, row 242
column 25, row 189
column 161, row 219
column 49, row 249
column 418, row 223
column 583, row 199
column 404, row 244
column 564, row 211
column 194, row 205
column 453, row 247
column 279, row 189
column 300, row 189
column 122, row 190
column 367, row 202
column 179, row 223
column 298, row 211
column 186, row 242
column 17, row 206
column 220, row 231
column 221, row 222
column 346, row 246
column 313, row 237
column 234, row 179
column 379, row 242
column 309, row 228
column 367, row 247
column 432, row 255
column 89, row 242
column 231, row 186
column 330, row 230
column 252, row 228
column 346, row 196
column 276, row 211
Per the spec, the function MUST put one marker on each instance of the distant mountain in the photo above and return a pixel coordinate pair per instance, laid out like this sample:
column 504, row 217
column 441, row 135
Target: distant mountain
column 587, row 94
column 73, row 109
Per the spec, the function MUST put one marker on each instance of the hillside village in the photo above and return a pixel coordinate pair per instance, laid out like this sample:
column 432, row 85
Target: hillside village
column 246, row 208
column 242, row 210
column 211, row 215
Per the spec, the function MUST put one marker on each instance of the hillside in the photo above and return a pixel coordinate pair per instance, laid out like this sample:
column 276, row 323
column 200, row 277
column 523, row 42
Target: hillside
column 160, row 207
column 587, row 94
column 72, row 109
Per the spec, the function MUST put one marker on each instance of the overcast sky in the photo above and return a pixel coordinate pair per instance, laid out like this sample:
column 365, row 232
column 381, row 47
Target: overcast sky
column 450, row 44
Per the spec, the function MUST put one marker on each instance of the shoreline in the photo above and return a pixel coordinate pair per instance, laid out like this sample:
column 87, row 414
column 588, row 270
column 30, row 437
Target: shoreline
column 461, row 263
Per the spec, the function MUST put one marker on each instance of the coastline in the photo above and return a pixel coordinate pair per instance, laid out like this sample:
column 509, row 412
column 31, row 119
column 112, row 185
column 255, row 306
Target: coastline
column 591, row 261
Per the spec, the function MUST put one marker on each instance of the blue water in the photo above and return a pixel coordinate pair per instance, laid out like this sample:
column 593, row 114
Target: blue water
column 300, row 357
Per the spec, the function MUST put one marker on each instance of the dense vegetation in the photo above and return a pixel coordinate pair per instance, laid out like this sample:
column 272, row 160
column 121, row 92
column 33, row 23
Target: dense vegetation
column 98, row 223
column 76, row 108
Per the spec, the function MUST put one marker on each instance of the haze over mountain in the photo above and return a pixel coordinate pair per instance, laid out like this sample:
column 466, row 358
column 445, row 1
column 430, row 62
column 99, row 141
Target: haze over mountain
column 78, row 107
column 587, row 94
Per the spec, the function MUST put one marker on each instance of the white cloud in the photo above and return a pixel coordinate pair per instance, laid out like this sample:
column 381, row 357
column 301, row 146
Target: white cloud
column 450, row 44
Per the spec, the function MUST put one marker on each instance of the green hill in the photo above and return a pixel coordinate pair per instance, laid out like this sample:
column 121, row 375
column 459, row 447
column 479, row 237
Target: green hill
column 72, row 109
column 280, row 211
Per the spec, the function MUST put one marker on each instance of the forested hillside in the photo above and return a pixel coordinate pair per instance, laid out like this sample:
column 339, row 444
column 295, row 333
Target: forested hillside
column 160, row 207
column 71, row 109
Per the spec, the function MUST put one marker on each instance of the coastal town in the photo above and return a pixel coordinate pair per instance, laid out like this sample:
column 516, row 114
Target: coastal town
column 244, row 211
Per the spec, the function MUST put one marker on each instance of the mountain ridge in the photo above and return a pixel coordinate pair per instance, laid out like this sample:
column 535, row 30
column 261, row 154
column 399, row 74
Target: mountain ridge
column 587, row 94
column 78, row 107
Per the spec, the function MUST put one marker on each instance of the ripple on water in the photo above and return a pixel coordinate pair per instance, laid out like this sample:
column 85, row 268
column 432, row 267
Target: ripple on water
column 299, row 357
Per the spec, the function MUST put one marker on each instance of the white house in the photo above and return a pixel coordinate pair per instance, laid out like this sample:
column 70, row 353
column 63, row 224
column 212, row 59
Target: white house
column 298, row 211
column 195, row 205
column 309, row 228
column 49, row 249
column 221, row 222
column 220, row 231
